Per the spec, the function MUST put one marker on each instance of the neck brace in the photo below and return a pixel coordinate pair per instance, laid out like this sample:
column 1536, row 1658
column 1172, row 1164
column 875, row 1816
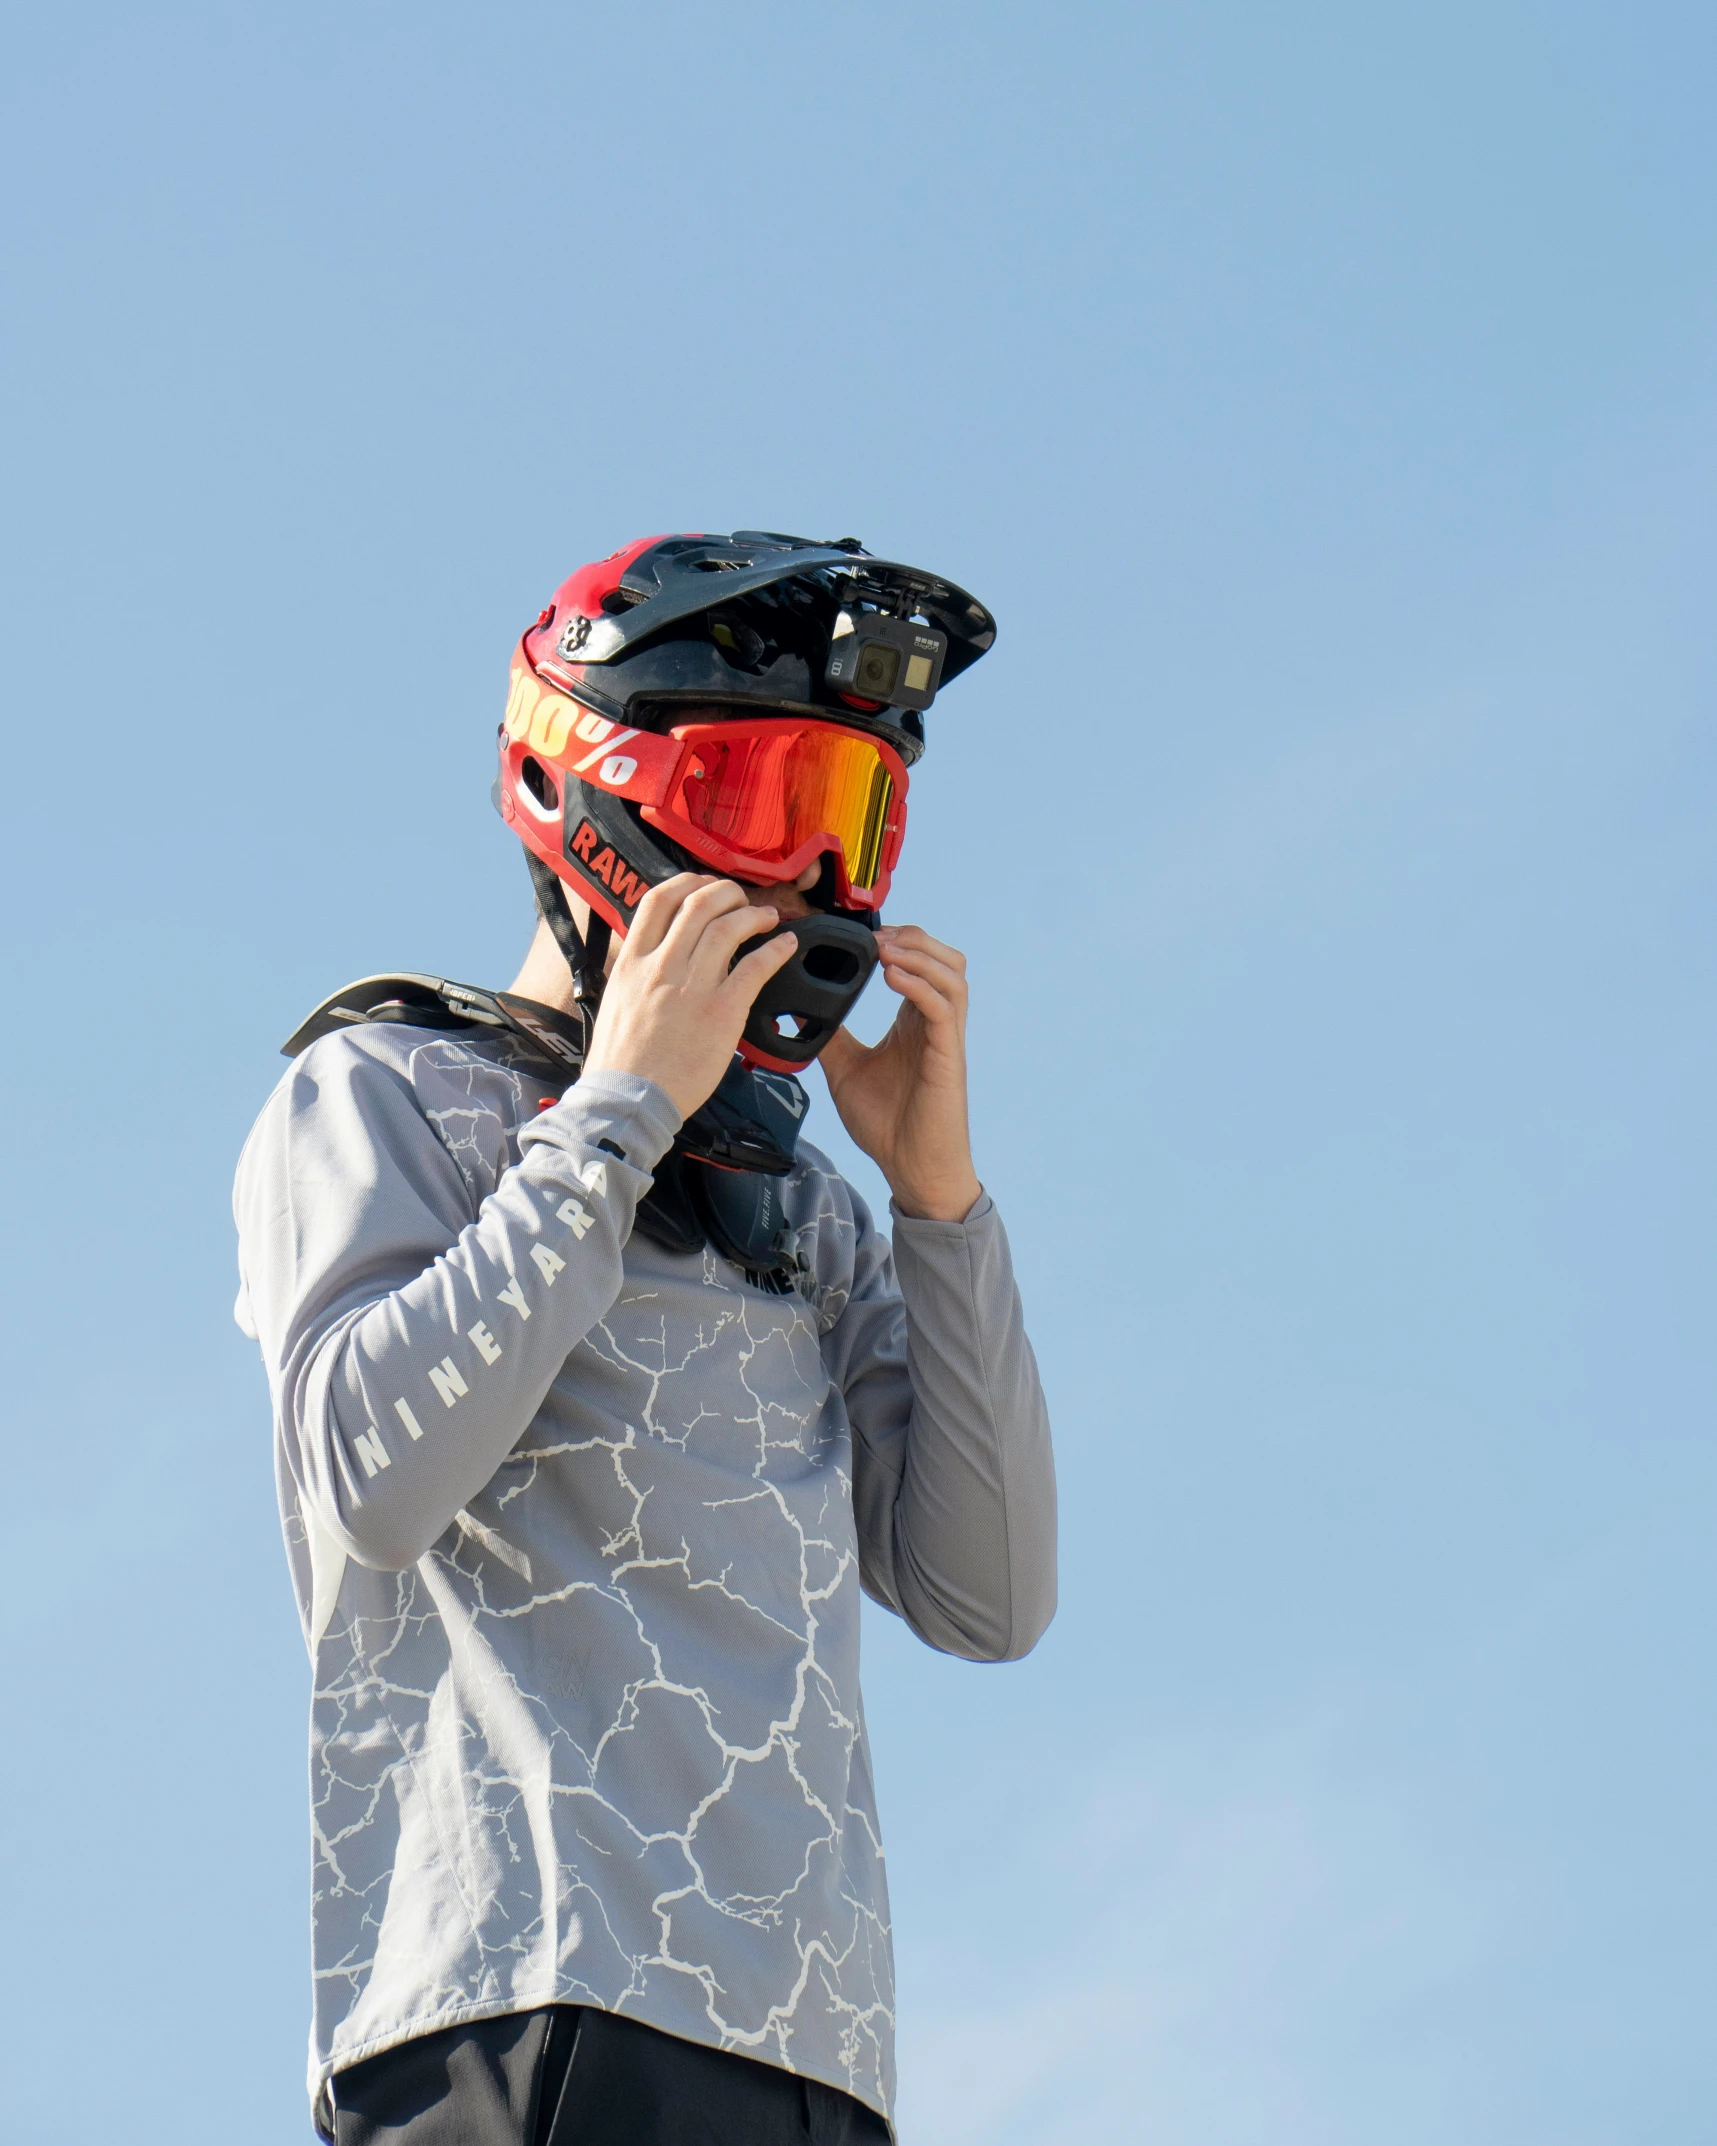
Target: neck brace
column 720, row 1182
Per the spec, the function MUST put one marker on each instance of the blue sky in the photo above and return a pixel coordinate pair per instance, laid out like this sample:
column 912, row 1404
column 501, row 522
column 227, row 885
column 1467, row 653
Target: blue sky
column 1322, row 399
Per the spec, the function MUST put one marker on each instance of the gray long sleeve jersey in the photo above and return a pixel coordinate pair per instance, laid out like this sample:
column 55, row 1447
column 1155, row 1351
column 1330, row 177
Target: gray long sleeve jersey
column 578, row 1528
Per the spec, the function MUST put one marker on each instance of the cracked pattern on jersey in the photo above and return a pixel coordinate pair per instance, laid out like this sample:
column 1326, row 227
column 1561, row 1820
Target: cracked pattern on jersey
column 535, row 1775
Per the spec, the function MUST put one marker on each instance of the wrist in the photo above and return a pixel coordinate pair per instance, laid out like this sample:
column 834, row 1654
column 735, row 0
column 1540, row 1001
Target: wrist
column 613, row 1069
column 628, row 1113
column 947, row 1200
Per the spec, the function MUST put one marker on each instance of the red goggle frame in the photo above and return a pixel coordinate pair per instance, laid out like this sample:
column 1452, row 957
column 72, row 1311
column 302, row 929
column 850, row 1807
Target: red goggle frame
column 760, row 797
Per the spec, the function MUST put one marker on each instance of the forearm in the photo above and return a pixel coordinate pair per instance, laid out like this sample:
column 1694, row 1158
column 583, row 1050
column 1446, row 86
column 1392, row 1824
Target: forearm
column 400, row 1411
column 964, row 1547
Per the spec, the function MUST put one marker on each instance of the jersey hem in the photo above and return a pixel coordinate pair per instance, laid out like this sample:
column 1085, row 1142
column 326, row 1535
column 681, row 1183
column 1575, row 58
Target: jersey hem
column 321, row 2075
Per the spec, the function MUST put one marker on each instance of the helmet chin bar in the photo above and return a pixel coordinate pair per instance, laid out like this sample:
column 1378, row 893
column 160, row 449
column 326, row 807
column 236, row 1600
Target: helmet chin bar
column 807, row 999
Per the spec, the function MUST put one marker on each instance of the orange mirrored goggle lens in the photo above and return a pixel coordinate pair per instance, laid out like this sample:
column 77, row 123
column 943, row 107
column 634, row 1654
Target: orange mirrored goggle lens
column 765, row 793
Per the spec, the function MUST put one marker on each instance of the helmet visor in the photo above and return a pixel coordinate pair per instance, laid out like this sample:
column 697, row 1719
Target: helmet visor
column 779, row 793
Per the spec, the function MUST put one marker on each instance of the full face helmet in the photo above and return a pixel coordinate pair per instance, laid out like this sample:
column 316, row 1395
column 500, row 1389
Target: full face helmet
column 746, row 704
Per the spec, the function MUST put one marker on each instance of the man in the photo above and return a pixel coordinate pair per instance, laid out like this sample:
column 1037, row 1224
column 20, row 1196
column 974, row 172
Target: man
column 597, row 1398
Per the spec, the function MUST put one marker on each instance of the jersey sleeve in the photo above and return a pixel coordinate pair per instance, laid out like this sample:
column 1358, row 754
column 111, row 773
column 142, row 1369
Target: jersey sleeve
column 410, row 1334
column 953, row 1476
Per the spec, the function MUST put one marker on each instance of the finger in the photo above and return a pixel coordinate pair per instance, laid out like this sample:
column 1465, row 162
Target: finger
column 919, row 992
column 715, row 897
column 724, row 935
column 911, row 938
column 749, row 976
column 658, row 909
column 951, row 982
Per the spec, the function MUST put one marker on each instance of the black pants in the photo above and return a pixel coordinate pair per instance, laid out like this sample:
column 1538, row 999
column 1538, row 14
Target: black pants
column 569, row 2076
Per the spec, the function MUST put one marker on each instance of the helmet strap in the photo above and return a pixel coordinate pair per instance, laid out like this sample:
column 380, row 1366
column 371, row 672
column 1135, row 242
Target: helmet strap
column 584, row 956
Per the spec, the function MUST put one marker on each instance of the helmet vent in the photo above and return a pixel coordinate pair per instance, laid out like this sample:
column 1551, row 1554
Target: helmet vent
column 741, row 644
column 540, row 783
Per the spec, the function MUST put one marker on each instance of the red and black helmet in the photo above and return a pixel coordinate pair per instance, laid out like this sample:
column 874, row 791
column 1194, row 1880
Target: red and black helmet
column 745, row 704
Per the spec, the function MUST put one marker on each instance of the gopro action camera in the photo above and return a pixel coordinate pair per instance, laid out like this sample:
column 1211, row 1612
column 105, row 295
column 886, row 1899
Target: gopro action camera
column 892, row 660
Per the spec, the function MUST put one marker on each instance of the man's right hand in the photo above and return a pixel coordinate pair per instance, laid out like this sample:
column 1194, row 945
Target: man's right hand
column 673, row 1010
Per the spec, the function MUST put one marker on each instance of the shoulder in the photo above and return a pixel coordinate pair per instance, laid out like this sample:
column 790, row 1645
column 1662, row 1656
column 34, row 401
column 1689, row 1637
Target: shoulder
column 380, row 1061
column 376, row 1049
column 368, row 1071
column 356, row 1152
column 342, row 1092
column 388, row 1086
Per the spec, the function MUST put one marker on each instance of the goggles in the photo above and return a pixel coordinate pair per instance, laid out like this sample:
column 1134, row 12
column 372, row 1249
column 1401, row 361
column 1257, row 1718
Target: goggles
column 777, row 793
column 761, row 797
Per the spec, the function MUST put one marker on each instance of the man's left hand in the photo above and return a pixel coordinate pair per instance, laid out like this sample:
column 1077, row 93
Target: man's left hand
column 904, row 1100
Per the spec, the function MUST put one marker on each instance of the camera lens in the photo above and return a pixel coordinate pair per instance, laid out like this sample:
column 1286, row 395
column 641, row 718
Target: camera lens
column 878, row 669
